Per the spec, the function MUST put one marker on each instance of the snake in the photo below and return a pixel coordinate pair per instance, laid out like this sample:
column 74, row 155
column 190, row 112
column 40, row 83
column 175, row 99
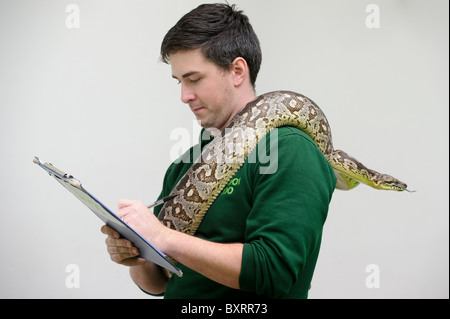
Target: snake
column 220, row 160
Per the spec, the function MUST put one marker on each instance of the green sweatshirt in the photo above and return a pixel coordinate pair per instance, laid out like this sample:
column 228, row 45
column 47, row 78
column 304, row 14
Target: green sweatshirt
column 276, row 208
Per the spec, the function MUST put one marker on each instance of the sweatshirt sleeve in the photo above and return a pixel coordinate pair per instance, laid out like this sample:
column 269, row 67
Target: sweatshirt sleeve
column 284, row 227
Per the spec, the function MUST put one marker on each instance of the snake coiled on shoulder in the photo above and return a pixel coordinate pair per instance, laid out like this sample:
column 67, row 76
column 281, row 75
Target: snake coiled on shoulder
column 223, row 157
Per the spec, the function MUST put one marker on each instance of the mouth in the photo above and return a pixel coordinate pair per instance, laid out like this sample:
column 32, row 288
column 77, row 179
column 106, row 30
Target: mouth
column 197, row 110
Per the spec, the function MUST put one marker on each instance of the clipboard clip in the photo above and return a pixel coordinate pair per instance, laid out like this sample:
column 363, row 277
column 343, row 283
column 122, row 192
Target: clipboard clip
column 55, row 172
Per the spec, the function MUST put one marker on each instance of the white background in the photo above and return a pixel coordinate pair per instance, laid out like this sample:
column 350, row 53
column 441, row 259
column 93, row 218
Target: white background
column 96, row 102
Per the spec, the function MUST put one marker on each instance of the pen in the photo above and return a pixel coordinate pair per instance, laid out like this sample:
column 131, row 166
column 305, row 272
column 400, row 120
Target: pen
column 162, row 201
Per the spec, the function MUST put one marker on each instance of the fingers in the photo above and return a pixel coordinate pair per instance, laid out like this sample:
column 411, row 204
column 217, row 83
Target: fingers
column 109, row 231
column 120, row 246
column 120, row 250
column 122, row 255
column 122, row 203
column 130, row 206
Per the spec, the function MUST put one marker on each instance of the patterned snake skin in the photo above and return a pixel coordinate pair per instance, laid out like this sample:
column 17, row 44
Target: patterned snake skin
column 222, row 157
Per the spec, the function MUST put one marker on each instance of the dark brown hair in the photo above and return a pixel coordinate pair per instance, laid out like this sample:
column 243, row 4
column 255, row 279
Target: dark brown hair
column 222, row 32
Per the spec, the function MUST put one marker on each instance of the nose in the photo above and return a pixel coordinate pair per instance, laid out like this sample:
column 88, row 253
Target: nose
column 187, row 95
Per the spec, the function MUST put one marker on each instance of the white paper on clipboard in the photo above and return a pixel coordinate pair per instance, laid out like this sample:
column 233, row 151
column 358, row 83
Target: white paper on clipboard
column 147, row 250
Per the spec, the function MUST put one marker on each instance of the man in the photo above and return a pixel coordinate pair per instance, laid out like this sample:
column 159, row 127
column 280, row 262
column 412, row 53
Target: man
column 261, row 237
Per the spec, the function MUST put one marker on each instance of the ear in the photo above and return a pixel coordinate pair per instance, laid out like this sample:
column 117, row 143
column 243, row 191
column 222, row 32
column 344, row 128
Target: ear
column 240, row 72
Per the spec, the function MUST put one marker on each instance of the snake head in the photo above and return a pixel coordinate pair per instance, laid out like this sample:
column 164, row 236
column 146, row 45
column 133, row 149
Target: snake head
column 387, row 182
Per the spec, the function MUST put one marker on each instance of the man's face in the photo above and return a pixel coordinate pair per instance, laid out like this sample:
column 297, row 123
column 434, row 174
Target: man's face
column 206, row 88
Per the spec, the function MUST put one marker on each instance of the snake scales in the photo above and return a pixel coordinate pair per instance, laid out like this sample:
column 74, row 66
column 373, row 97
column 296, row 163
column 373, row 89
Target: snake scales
column 222, row 157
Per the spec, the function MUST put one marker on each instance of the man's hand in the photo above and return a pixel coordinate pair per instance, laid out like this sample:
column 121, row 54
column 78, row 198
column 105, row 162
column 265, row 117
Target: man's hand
column 218, row 262
column 121, row 250
column 136, row 215
column 145, row 274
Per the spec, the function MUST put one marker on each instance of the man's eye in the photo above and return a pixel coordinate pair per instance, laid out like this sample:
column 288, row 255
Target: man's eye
column 190, row 81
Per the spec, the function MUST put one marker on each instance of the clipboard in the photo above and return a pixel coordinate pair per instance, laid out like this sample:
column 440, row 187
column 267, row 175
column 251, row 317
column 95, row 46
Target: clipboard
column 146, row 250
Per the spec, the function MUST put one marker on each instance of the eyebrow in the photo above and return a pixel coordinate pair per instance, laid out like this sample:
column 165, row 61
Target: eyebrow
column 186, row 75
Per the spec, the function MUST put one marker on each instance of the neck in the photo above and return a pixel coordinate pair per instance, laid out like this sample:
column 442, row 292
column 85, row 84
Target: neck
column 241, row 101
